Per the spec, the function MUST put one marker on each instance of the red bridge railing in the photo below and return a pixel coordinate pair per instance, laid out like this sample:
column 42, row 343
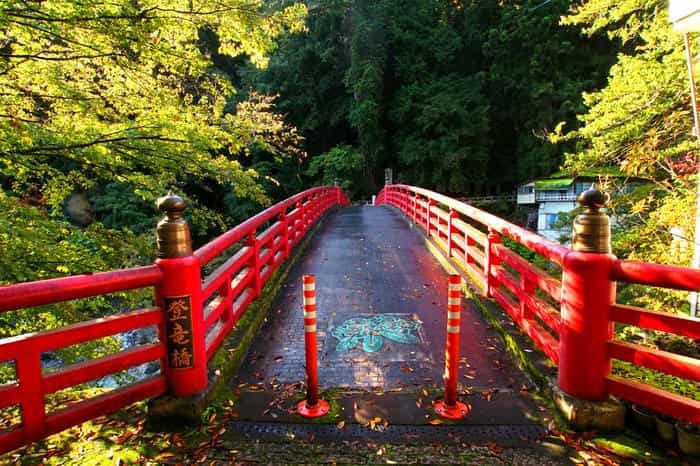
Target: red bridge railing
column 570, row 319
column 213, row 305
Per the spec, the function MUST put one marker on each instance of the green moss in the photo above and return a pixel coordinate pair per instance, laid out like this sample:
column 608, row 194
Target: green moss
column 333, row 415
column 632, row 446
column 228, row 359
column 520, row 357
column 677, row 385
column 101, row 441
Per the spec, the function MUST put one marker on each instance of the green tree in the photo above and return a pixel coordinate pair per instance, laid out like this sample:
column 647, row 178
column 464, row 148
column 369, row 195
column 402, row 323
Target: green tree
column 307, row 73
column 122, row 91
column 365, row 78
column 536, row 71
column 122, row 100
column 640, row 122
column 342, row 165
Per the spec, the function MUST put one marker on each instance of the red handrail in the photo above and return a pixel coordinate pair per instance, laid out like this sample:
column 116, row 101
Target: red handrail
column 232, row 286
column 587, row 292
column 55, row 290
column 224, row 294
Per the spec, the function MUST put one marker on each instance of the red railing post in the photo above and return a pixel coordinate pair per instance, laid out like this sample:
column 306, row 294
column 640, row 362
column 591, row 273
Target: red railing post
column 224, row 291
column 28, row 372
column 252, row 243
column 298, row 226
column 431, row 203
column 179, row 294
column 450, row 407
column 285, row 234
column 491, row 260
column 304, row 214
column 312, row 406
column 469, row 243
column 587, row 293
column 415, row 208
column 450, row 230
column 527, row 288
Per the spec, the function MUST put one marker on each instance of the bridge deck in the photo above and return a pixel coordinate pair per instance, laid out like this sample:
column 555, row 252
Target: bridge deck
column 370, row 265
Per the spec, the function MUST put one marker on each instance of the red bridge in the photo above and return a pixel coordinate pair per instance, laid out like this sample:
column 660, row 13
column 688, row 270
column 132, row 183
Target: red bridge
column 565, row 303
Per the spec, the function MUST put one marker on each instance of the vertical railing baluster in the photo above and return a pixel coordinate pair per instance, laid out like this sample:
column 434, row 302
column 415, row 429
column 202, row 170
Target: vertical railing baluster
column 450, row 231
column 492, row 261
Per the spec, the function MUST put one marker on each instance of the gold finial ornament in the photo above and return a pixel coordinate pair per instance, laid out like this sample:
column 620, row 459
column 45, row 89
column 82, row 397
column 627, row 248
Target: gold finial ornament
column 173, row 237
column 592, row 227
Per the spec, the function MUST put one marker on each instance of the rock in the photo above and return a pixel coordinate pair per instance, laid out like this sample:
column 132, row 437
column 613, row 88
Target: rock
column 78, row 209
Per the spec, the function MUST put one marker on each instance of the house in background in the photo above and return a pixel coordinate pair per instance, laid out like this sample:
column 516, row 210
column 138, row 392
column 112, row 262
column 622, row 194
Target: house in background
column 684, row 14
column 546, row 198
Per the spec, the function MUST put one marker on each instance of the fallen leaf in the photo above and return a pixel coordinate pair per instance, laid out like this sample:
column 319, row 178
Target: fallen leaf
column 177, row 440
column 494, row 448
column 119, row 439
column 435, row 421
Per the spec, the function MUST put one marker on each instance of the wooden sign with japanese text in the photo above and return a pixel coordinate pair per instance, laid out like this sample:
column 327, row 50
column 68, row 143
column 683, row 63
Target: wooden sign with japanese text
column 178, row 331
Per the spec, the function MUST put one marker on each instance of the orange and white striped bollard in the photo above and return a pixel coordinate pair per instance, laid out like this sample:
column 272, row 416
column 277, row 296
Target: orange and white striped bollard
column 450, row 407
column 312, row 406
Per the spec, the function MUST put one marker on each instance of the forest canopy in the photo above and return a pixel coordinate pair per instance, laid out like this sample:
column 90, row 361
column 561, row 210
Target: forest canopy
column 124, row 99
column 239, row 103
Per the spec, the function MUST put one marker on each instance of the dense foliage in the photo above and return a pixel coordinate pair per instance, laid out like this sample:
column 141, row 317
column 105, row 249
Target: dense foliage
column 122, row 100
column 468, row 97
column 236, row 103
column 457, row 96
column 641, row 122
column 107, row 105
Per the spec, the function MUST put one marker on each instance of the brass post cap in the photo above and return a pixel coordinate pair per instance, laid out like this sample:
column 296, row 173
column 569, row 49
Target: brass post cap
column 591, row 232
column 593, row 199
column 171, row 204
column 173, row 237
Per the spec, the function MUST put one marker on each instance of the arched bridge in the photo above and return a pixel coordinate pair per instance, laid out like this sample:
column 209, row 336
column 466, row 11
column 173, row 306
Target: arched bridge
column 379, row 312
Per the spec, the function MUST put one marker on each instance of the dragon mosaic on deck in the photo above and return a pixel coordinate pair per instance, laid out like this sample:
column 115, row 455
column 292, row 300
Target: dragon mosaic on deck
column 369, row 333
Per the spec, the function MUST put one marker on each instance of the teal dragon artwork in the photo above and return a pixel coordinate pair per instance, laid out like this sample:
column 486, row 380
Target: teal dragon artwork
column 369, row 332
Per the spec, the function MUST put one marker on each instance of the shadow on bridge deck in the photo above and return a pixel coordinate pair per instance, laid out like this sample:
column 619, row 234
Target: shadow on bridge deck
column 371, row 268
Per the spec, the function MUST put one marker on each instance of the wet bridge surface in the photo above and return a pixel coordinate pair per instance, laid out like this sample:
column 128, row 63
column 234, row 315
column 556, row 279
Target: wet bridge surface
column 381, row 312
column 372, row 270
